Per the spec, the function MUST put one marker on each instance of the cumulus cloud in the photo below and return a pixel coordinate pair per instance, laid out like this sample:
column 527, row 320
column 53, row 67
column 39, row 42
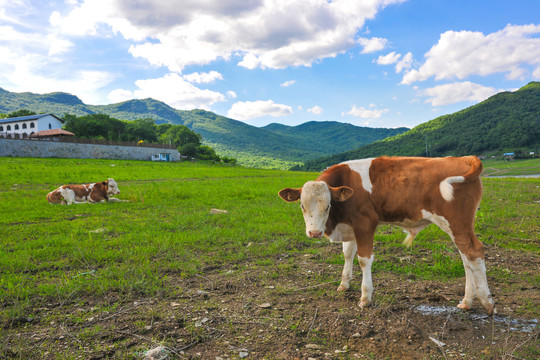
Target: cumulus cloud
column 265, row 34
column 317, row 110
column 456, row 92
column 246, row 110
column 203, row 78
column 460, row 54
column 172, row 89
column 366, row 113
column 372, row 45
column 28, row 63
column 388, row 59
column 288, row 83
column 402, row 63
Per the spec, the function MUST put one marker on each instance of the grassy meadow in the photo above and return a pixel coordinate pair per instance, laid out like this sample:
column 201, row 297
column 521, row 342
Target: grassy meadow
column 112, row 254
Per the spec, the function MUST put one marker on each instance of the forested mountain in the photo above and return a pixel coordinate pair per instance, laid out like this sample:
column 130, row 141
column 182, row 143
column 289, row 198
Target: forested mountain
column 505, row 122
column 334, row 135
column 270, row 147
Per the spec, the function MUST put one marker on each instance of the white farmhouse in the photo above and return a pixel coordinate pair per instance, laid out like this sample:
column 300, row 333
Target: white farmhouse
column 23, row 126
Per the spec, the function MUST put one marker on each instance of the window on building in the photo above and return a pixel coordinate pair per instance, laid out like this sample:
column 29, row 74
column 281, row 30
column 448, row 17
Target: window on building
column 8, row 128
column 24, row 125
column 16, row 126
column 1, row 128
column 50, row 126
column 32, row 125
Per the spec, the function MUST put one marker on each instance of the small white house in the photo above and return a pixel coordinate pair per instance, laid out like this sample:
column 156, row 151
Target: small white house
column 161, row 157
column 23, row 126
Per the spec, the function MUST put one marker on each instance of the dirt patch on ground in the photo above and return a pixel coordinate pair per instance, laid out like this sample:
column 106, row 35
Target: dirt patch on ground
column 250, row 311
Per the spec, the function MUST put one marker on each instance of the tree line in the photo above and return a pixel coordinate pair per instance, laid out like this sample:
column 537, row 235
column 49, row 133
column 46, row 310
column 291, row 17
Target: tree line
column 101, row 126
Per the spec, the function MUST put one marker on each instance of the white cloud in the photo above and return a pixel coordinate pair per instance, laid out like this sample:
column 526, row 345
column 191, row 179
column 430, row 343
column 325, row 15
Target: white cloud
column 456, row 92
column 405, row 63
column 203, row 78
column 372, row 45
column 288, row 83
column 460, row 54
column 269, row 34
column 317, row 110
column 171, row 89
column 246, row 110
column 402, row 63
column 366, row 113
column 388, row 59
column 231, row 94
column 29, row 63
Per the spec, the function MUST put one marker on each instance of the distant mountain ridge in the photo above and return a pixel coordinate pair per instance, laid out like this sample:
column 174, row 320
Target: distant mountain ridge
column 505, row 122
column 273, row 146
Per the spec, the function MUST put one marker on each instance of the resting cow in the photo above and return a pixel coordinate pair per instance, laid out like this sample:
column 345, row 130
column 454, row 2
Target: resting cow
column 347, row 202
column 92, row 193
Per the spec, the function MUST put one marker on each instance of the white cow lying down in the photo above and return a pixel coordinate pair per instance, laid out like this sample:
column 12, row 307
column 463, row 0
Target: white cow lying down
column 91, row 193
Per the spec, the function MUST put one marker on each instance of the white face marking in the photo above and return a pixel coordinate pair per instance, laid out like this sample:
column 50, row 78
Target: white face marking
column 113, row 188
column 315, row 202
column 362, row 168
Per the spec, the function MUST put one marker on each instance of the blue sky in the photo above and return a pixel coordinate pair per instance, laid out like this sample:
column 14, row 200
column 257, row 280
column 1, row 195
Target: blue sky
column 377, row 63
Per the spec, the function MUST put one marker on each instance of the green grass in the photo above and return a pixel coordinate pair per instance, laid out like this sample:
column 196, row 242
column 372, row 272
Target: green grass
column 54, row 253
column 511, row 168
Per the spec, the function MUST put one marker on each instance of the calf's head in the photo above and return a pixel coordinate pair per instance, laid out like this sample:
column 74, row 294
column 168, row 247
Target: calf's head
column 316, row 198
column 112, row 187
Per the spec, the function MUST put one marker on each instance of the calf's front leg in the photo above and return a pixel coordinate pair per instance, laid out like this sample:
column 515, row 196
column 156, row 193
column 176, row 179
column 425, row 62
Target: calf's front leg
column 367, row 285
column 349, row 250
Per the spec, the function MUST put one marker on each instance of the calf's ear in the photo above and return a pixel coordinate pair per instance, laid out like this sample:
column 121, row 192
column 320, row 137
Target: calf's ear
column 341, row 193
column 290, row 195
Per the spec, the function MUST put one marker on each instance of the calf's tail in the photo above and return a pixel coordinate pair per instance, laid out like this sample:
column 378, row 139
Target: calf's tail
column 476, row 167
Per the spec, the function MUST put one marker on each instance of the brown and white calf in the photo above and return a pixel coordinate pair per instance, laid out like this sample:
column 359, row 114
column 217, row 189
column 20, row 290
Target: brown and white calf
column 349, row 200
column 92, row 193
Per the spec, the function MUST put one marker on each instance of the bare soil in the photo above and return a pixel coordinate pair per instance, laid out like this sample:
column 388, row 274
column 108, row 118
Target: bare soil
column 283, row 312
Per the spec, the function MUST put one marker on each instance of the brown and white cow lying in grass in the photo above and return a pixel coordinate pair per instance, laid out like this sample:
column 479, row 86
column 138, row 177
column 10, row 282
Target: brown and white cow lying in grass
column 92, row 193
column 349, row 200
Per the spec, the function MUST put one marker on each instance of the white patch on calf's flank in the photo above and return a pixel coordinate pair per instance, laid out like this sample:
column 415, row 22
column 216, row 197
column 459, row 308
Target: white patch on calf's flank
column 362, row 168
column 440, row 221
column 68, row 195
column 446, row 188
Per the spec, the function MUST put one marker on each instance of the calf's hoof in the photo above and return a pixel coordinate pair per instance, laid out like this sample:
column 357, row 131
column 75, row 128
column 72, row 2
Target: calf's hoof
column 343, row 287
column 364, row 303
column 489, row 306
column 464, row 306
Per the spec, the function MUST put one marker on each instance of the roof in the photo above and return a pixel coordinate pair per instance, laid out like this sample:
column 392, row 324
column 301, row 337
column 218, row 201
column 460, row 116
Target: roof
column 28, row 118
column 53, row 132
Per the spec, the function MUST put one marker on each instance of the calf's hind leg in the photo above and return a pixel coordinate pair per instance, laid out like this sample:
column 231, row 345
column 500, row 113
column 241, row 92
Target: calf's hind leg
column 472, row 254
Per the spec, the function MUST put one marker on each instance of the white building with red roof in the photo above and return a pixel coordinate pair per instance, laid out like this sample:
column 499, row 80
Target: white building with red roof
column 23, row 126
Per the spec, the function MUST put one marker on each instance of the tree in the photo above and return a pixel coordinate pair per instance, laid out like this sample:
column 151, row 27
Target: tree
column 207, row 153
column 94, row 126
column 140, row 129
column 21, row 112
column 180, row 135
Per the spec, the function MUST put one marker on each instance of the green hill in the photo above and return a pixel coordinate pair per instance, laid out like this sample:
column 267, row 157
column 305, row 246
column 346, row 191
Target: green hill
column 270, row 147
column 505, row 122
